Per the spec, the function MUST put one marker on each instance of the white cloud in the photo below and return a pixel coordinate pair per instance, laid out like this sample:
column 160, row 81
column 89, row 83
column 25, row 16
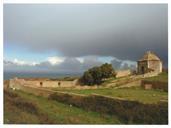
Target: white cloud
column 21, row 62
column 55, row 60
column 80, row 59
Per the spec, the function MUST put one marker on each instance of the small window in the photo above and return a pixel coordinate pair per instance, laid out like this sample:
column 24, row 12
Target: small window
column 41, row 83
column 59, row 83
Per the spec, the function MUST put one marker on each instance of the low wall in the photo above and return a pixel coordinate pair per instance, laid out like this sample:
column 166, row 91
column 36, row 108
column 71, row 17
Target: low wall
column 146, row 84
column 6, row 84
column 30, row 89
column 52, row 83
column 122, row 73
column 18, row 85
column 43, row 83
column 150, row 74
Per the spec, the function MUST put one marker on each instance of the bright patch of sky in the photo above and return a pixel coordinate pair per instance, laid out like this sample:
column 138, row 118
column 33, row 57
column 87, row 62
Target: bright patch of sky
column 55, row 60
column 12, row 52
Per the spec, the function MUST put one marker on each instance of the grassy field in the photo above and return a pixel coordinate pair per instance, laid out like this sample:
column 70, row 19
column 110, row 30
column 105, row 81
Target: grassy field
column 48, row 112
column 136, row 93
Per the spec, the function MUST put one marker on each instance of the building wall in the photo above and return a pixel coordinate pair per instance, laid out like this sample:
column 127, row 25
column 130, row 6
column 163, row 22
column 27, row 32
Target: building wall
column 155, row 65
column 52, row 83
column 152, row 64
column 122, row 73
column 39, row 83
column 16, row 83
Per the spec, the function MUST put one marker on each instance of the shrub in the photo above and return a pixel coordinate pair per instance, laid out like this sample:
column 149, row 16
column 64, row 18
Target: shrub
column 107, row 70
column 87, row 78
column 95, row 75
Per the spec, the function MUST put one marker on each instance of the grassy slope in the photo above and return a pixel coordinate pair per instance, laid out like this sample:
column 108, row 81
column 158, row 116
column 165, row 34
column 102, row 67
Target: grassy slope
column 163, row 77
column 13, row 115
column 145, row 96
column 56, row 112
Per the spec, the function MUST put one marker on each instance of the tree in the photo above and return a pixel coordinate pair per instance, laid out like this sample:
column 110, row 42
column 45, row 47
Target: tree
column 107, row 70
column 95, row 75
column 87, row 78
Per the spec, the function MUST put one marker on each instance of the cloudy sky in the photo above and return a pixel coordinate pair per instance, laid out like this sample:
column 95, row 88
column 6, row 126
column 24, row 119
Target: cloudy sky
column 74, row 37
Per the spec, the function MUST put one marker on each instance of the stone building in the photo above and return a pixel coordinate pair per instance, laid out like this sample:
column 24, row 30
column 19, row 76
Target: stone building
column 149, row 63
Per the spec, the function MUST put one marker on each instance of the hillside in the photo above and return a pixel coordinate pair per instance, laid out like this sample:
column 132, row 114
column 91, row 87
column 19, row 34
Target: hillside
column 24, row 108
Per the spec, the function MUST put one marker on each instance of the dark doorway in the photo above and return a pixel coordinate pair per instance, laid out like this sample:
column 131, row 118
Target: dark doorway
column 142, row 70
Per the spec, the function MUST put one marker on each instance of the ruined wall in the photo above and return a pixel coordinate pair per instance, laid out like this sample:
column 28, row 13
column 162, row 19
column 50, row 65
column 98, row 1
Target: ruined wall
column 147, row 84
column 122, row 73
column 39, row 83
column 155, row 65
column 144, row 66
column 55, row 83
column 6, row 84
column 16, row 83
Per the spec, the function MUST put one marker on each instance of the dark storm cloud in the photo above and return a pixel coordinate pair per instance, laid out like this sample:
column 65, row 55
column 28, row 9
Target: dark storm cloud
column 122, row 31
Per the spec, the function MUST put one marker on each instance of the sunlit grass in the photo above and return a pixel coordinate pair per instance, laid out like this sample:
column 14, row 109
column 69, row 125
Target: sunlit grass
column 139, row 94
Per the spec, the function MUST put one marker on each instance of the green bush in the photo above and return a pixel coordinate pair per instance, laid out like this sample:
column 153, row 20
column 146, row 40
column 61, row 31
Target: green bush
column 96, row 75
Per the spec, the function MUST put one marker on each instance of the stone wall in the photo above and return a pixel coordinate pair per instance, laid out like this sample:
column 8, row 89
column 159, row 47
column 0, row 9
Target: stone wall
column 52, row 83
column 155, row 65
column 147, row 84
column 6, row 84
column 122, row 73
column 149, row 74
column 16, row 83
column 41, row 83
column 145, row 66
